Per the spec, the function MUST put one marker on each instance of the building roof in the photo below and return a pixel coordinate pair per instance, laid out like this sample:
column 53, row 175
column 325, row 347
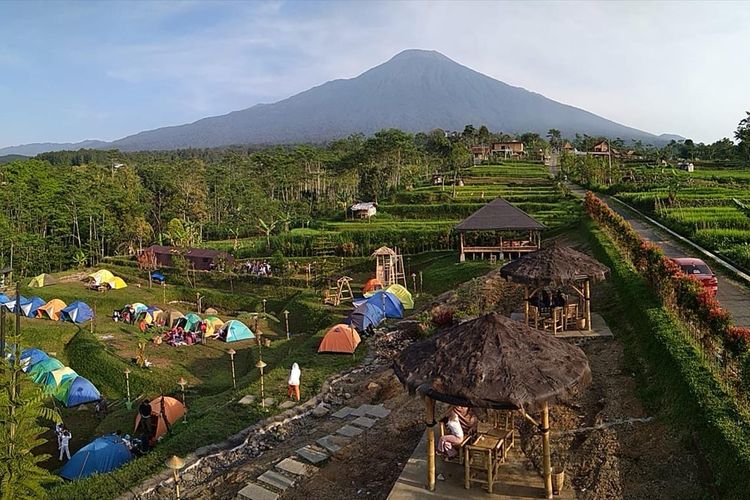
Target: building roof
column 499, row 215
column 364, row 206
column 554, row 266
column 187, row 252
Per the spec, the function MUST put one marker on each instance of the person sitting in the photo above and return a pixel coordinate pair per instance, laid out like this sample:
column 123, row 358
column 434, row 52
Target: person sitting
column 453, row 437
column 559, row 299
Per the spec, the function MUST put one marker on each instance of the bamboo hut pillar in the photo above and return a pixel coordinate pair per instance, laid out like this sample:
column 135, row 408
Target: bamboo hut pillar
column 526, row 304
column 587, row 305
column 462, row 257
column 430, row 420
column 546, row 452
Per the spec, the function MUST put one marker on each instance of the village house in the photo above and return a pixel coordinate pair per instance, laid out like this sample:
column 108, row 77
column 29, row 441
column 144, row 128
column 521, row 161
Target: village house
column 200, row 259
column 508, row 148
column 364, row 210
column 480, row 154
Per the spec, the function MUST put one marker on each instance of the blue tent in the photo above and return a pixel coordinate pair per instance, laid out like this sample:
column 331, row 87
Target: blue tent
column 11, row 304
column 234, row 330
column 80, row 392
column 32, row 306
column 158, row 277
column 101, row 455
column 77, row 312
column 388, row 302
column 4, row 298
column 30, row 357
column 366, row 315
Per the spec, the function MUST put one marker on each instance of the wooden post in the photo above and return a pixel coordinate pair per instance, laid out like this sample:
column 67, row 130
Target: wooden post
column 546, row 452
column 430, row 418
column 526, row 304
column 462, row 257
column 587, row 299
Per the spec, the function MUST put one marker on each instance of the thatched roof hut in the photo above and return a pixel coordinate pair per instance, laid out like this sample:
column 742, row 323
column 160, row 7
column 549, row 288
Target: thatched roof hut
column 493, row 362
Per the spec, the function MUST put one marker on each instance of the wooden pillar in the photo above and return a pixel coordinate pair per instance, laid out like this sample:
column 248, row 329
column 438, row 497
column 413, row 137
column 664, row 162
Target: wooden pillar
column 430, row 418
column 546, row 452
column 587, row 299
column 526, row 304
column 461, row 240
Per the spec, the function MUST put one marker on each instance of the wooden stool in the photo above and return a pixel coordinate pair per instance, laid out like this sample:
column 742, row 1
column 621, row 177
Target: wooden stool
column 483, row 457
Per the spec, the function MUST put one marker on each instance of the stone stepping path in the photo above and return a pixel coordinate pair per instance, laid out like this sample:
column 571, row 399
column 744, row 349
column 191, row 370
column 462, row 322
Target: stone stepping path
column 256, row 492
column 364, row 422
column 292, row 466
column 276, row 480
column 312, row 455
column 349, row 431
column 343, row 412
column 247, row 400
column 287, row 404
column 333, row 444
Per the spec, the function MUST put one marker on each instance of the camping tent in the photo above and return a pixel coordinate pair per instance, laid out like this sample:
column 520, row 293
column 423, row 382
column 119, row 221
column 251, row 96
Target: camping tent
column 39, row 371
column 77, row 312
column 386, row 301
column 173, row 315
column 32, row 306
column 366, row 315
column 168, row 410
column 42, row 280
column 11, row 304
column 138, row 307
column 103, row 454
column 372, row 285
column 158, row 277
column 190, row 322
column 213, row 325
column 403, row 295
column 77, row 391
column 51, row 309
column 101, row 277
column 30, row 357
column 57, row 377
column 116, row 283
column 234, row 330
column 340, row 338
column 3, row 299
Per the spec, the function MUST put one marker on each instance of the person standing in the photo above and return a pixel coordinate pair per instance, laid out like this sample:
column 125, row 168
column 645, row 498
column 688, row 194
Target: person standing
column 64, row 442
column 294, row 377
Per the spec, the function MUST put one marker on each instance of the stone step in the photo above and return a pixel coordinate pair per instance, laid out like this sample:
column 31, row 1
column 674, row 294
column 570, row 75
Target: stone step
column 296, row 468
column 332, row 444
column 312, row 455
column 276, row 480
column 364, row 422
column 343, row 412
column 256, row 492
column 349, row 431
column 287, row 404
column 377, row 411
column 247, row 400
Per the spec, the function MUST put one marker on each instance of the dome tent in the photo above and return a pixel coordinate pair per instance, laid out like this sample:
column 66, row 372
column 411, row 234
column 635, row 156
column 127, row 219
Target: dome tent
column 76, row 391
column 103, row 454
column 403, row 295
column 341, row 339
column 168, row 410
column 30, row 357
column 51, row 309
column 42, row 280
column 386, row 301
column 39, row 371
column 32, row 306
column 234, row 330
column 366, row 315
column 77, row 312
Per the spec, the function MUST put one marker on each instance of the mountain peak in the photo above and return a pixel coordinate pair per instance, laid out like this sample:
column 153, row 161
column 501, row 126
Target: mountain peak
column 411, row 54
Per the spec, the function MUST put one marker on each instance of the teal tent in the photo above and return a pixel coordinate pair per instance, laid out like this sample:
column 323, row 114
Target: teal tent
column 40, row 370
column 234, row 330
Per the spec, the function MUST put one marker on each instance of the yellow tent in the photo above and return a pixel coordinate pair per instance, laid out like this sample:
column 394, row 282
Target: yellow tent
column 102, row 276
column 403, row 295
column 62, row 373
column 42, row 280
column 116, row 283
column 212, row 325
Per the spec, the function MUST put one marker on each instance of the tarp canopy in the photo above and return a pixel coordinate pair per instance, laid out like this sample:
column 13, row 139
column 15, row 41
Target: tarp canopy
column 11, row 304
column 78, row 391
column 190, row 322
column 57, row 377
column 366, row 315
column 340, row 338
column 158, row 277
column 386, row 301
column 42, row 280
column 234, row 330
column 51, row 309
column 103, row 454
column 30, row 357
column 39, row 371
column 77, row 312
column 403, row 295
column 168, row 410
column 102, row 276
column 116, row 283
column 32, row 306
column 372, row 285
column 213, row 325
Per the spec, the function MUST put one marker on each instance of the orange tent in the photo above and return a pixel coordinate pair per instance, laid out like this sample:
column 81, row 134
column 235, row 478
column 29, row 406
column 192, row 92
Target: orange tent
column 51, row 309
column 372, row 285
column 167, row 411
column 340, row 338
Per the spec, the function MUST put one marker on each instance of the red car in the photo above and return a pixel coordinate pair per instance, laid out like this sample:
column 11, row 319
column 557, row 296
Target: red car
column 699, row 269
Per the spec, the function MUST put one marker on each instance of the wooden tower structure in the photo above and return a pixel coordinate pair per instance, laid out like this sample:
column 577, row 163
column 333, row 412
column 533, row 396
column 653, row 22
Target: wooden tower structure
column 341, row 291
column 389, row 267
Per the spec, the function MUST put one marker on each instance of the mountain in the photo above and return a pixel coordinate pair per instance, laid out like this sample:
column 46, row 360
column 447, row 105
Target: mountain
column 10, row 158
column 417, row 90
column 42, row 147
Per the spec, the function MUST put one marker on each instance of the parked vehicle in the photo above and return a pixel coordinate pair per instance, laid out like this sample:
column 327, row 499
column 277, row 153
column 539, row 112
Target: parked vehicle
column 699, row 269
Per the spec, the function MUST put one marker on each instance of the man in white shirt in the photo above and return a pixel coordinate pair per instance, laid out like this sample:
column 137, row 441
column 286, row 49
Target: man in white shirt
column 64, row 440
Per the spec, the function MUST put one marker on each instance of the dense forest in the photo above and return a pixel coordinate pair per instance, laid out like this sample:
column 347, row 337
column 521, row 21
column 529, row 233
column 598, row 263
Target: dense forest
column 66, row 209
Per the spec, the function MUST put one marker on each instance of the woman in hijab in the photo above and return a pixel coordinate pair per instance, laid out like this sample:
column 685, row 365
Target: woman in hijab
column 294, row 382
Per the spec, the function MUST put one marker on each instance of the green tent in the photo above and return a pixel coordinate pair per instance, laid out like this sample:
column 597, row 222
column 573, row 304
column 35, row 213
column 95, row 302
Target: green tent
column 42, row 280
column 40, row 370
column 190, row 323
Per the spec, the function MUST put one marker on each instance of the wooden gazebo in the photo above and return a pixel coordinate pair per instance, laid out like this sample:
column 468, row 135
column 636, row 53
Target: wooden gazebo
column 557, row 267
column 493, row 362
column 515, row 230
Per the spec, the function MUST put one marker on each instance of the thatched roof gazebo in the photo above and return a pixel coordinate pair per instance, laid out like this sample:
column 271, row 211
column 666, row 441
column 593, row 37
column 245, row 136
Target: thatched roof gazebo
column 497, row 363
column 557, row 267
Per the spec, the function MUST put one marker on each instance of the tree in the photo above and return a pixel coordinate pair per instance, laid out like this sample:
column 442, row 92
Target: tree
column 742, row 134
column 267, row 228
column 555, row 138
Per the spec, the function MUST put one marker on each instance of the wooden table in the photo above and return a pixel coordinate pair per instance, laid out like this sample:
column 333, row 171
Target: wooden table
column 484, row 455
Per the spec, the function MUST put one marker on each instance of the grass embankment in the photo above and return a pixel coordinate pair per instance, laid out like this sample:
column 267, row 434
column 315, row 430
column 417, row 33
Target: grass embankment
column 674, row 379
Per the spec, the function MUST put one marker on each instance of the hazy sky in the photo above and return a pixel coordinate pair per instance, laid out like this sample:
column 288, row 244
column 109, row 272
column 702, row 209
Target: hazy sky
column 78, row 70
